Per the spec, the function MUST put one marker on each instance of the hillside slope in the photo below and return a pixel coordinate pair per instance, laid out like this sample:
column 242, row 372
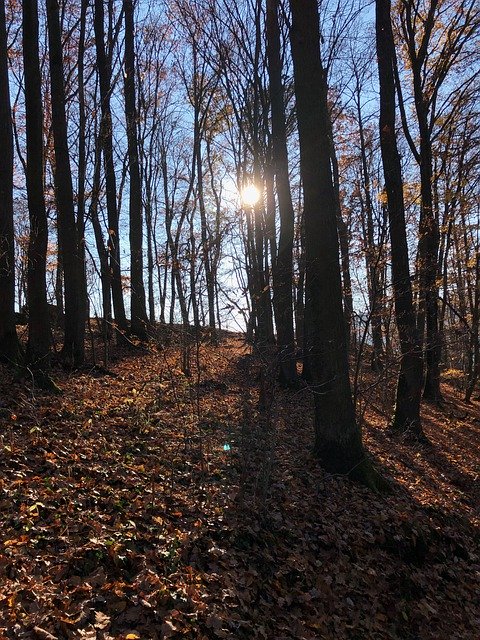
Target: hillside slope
column 142, row 503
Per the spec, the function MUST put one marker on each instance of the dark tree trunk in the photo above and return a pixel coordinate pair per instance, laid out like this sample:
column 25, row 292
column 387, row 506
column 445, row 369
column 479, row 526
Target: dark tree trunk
column 428, row 247
column 372, row 252
column 8, row 334
column 338, row 441
column 343, row 241
column 206, row 240
column 137, row 300
column 406, row 416
column 106, row 137
column 417, row 45
column 102, row 250
column 283, row 269
column 150, row 260
column 73, row 270
column 38, row 346
column 82, row 163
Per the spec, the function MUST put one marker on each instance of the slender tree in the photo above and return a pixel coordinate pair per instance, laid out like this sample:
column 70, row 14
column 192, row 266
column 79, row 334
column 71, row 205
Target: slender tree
column 436, row 35
column 73, row 268
column 82, row 158
column 137, row 300
column 283, row 268
column 38, row 346
column 406, row 417
column 8, row 334
column 338, row 441
column 106, row 137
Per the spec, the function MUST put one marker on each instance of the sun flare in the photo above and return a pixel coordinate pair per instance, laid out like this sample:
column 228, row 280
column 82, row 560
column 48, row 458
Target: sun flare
column 250, row 195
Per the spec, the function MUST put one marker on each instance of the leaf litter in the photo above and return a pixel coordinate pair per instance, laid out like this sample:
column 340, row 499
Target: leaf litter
column 149, row 504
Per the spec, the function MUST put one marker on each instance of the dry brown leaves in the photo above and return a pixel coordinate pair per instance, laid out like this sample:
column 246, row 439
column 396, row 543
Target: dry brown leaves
column 148, row 504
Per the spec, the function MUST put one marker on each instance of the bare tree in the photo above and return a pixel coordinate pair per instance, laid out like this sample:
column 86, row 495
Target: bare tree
column 38, row 346
column 338, row 440
column 137, row 304
column 73, row 268
column 8, row 334
column 283, row 267
column 406, row 417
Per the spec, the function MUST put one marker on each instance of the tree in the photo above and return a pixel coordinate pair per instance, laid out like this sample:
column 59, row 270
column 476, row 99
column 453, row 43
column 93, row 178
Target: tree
column 283, row 268
column 106, row 137
column 137, row 304
column 38, row 346
column 239, row 59
column 338, row 441
column 8, row 334
column 435, row 34
column 69, row 244
column 406, row 417
column 373, row 252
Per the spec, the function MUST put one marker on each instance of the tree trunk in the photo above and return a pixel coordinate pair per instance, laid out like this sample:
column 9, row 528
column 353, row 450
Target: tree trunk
column 102, row 250
column 82, row 161
column 8, row 334
column 406, row 416
column 428, row 257
column 73, row 348
column 343, row 242
column 106, row 137
column 38, row 346
column 283, row 269
column 372, row 252
column 338, row 441
column 137, row 301
column 206, row 240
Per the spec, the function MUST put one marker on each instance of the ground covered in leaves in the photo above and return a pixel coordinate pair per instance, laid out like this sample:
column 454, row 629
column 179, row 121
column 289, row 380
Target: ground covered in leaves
column 146, row 503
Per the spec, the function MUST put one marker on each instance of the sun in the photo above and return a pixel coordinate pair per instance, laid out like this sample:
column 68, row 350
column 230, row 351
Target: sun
column 250, row 195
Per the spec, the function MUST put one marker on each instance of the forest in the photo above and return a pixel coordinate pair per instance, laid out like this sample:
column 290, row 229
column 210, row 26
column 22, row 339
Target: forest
column 239, row 319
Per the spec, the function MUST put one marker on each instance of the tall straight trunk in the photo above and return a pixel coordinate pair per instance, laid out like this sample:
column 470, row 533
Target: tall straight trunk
column 417, row 46
column 206, row 240
column 137, row 301
column 372, row 252
column 82, row 160
column 338, row 440
column 216, row 240
column 283, row 269
column 193, row 275
column 343, row 240
column 264, row 329
column 409, row 387
column 106, row 136
column 150, row 260
column 173, row 245
column 73, row 348
column 102, row 249
column 8, row 335
column 38, row 346
column 428, row 258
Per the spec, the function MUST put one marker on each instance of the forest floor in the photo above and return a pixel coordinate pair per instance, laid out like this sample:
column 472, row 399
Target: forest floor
column 146, row 504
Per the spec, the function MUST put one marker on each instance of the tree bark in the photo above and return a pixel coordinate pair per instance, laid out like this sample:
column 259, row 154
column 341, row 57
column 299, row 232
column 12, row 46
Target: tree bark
column 73, row 348
column 106, row 137
column 283, row 268
column 429, row 235
column 406, row 417
column 82, row 160
column 137, row 300
column 38, row 345
column 338, row 441
column 8, row 334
